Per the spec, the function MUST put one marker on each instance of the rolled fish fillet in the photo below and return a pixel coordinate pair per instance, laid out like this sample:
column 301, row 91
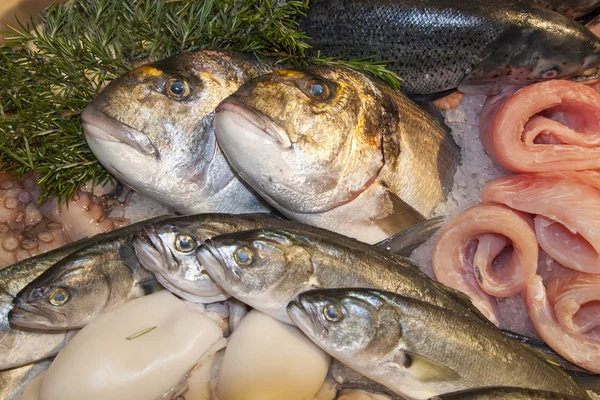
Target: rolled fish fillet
column 567, row 292
column 576, row 300
column 567, row 224
column 548, row 126
column 469, row 249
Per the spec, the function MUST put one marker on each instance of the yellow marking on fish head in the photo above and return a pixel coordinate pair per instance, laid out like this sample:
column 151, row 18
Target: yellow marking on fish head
column 146, row 71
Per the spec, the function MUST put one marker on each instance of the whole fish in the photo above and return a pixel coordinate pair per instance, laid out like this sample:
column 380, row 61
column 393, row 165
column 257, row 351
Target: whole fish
column 419, row 350
column 476, row 46
column 570, row 8
column 13, row 381
column 153, row 130
column 504, row 393
column 267, row 268
column 92, row 280
column 338, row 150
column 167, row 247
column 19, row 346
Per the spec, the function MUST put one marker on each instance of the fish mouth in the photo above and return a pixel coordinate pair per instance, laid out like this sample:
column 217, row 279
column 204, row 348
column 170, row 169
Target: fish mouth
column 303, row 314
column 214, row 265
column 254, row 121
column 590, row 76
column 26, row 315
column 100, row 126
column 153, row 254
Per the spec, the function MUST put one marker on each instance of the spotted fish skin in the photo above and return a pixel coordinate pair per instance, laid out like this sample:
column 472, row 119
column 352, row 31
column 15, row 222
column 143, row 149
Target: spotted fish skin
column 437, row 44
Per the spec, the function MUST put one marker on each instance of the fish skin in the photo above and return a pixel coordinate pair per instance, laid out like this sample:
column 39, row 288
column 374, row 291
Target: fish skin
column 505, row 393
column 570, row 8
column 13, row 381
column 363, row 161
column 420, row 350
column 165, row 147
column 287, row 262
column 440, row 45
column 180, row 271
column 97, row 278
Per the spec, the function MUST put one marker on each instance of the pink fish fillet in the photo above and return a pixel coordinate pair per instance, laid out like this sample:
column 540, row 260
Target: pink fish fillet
column 468, row 255
column 568, row 303
column 567, row 224
column 548, row 126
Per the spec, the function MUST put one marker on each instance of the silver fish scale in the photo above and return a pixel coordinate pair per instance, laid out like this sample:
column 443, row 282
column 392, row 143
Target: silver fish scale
column 421, row 36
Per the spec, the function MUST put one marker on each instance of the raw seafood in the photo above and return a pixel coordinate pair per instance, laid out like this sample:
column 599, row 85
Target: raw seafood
column 549, row 126
column 338, row 150
column 571, row 302
column 162, row 336
column 19, row 347
column 92, row 280
column 153, row 130
column 505, row 393
column 268, row 268
column 570, row 8
column 567, row 224
column 83, row 216
column 167, row 247
column 420, row 350
column 466, row 248
column 266, row 359
column 438, row 45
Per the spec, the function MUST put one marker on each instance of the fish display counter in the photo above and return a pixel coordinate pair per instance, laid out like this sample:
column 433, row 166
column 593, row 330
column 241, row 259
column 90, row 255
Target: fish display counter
column 324, row 200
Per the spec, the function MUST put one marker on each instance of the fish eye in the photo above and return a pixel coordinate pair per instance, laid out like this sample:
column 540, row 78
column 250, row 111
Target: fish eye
column 550, row 74
column 243, row 256
column 185, row 243
column 332, row 312
column 318, row 90
column 178, row 88
column 59, row 297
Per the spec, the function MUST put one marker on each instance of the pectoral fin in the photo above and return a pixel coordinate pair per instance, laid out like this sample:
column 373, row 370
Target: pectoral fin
column 425, row 369
column 398, row 217
column 405, row 242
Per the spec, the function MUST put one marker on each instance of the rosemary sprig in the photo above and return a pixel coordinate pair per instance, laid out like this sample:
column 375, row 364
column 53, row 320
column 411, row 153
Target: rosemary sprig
column 48, row 74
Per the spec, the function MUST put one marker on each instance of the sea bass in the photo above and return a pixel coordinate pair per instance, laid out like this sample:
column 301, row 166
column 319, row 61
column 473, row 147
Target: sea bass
column 19, row 346
column 419, row 350
column 505, row 393
column 153, row 130
column 338, row 150
column 88, row 282
column 167, row 247
column 476, row 46
column 267, row 268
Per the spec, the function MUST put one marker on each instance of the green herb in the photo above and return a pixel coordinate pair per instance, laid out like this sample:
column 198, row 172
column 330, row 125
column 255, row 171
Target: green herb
column 140, row 333
column 48, row 74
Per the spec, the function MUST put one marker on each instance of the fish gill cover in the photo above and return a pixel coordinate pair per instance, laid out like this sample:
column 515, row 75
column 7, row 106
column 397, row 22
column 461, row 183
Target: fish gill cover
column 51, row 70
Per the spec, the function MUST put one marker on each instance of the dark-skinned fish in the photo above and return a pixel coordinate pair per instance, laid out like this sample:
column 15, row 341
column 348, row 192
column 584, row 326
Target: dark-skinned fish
column 438, row 46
